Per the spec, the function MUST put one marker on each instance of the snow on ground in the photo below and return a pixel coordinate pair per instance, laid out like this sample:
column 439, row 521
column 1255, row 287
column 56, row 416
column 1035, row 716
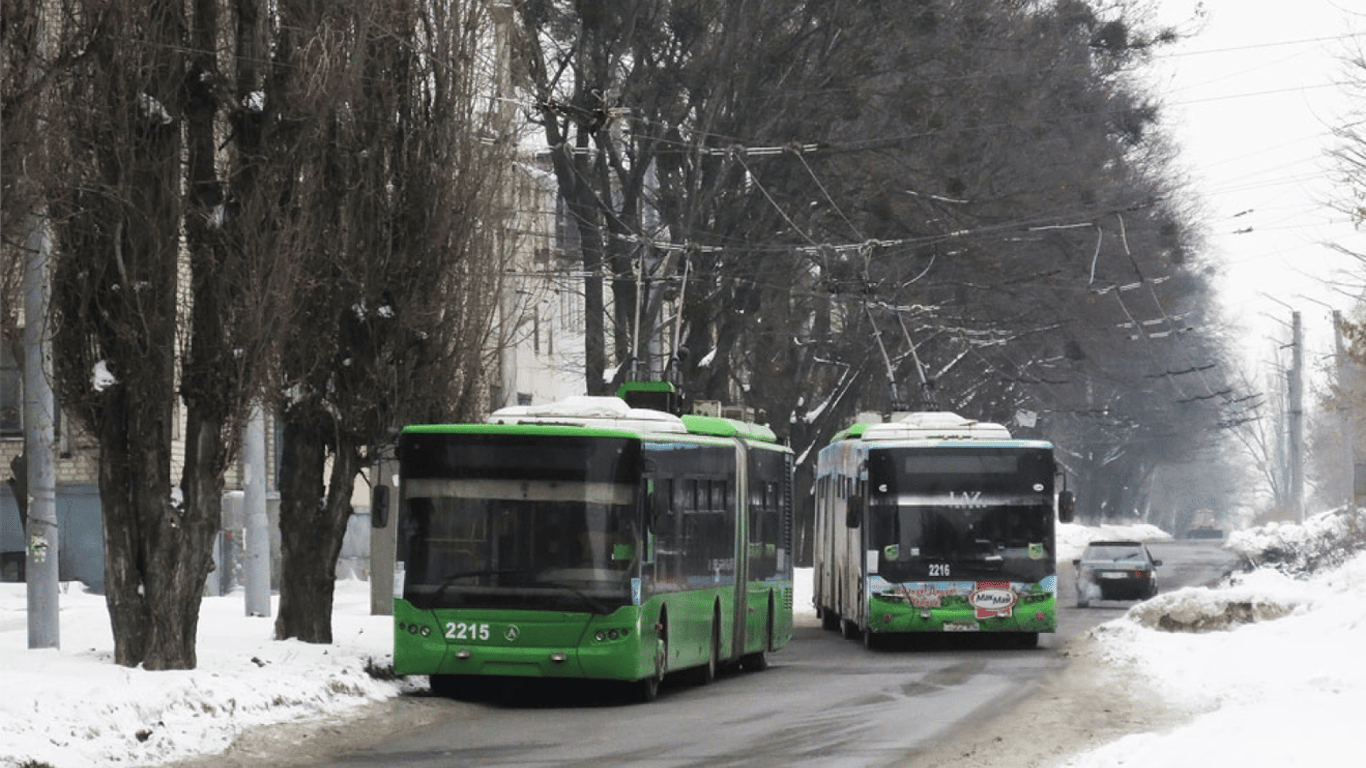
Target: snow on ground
column 1280, row 685
column 75, row 708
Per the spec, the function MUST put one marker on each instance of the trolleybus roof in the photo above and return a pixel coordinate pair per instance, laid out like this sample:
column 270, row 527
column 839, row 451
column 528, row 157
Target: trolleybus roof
column 926, row 425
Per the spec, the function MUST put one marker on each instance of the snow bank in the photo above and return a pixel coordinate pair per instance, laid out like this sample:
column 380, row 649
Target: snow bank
column 1073, row 537
column 1283, row 689
column 1323, row 541
column 74, row 707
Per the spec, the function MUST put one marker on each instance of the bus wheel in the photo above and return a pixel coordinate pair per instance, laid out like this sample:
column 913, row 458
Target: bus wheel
column 757, row 662
column 830, row 621
column 706, row 673
column 647, row 689
column 444, row 685
column 848, row 629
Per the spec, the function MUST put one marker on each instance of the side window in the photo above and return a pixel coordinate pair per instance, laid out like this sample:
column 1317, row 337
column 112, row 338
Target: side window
column 11, row 393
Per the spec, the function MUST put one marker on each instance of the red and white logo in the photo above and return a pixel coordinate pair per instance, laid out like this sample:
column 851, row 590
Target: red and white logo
column 993, row 599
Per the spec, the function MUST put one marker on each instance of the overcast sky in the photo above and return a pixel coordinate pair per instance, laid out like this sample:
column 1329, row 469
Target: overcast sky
column 1252, row 95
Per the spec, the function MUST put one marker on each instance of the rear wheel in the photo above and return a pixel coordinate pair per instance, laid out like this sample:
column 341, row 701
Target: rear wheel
column 706, row 673
column 757, row 662
column 830, row 621
column 848, row 629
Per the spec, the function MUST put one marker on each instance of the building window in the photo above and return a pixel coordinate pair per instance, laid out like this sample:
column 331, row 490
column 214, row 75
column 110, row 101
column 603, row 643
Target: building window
column 11, row 394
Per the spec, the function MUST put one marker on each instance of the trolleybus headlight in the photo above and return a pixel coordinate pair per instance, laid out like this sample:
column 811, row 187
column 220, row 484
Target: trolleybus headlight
column 925, row 615
column 426, row 632
column 412, row 629
column 559, row 658
column 599, row 635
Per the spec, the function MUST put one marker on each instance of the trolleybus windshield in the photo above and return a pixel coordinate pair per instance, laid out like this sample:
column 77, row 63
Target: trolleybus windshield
column 964, row 514
column 520, row 521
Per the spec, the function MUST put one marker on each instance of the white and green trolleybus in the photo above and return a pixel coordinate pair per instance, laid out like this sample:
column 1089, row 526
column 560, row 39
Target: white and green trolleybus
column 591, row 539
column 931, row 522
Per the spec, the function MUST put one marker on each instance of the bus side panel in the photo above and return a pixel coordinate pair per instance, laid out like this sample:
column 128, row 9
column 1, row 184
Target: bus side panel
column 839, row 548
column 767, row 617
column 742, row 608
column 690, row 619
column 825, row 578
column 849, row 551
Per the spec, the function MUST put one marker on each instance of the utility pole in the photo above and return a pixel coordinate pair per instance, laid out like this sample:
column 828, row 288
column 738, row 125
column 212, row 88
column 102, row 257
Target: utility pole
column 1344, row 417
column 40, row 438
column 1296, row 437
column 256, row 541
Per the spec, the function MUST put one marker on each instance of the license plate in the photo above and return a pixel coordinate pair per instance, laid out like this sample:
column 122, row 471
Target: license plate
column 1115, row 575
column 961, row 626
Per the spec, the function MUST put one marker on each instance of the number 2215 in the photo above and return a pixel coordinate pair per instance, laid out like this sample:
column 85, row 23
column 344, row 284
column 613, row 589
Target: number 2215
column 463, row 631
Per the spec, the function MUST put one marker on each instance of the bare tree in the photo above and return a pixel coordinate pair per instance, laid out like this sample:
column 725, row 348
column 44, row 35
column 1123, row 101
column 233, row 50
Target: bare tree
column 165, row 289
column 888, row 205
column 20, row 163
column 396, row 218
column 116, row 199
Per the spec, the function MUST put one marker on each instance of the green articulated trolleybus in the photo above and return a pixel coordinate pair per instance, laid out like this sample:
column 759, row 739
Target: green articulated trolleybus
column 931, row 522
column 591, row 539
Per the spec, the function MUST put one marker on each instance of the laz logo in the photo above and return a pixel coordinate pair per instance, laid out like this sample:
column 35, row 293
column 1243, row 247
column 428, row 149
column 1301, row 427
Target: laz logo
column 966, row 499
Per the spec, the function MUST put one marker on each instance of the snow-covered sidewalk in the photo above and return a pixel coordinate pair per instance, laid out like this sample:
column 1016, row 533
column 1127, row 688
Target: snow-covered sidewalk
column 75, row 708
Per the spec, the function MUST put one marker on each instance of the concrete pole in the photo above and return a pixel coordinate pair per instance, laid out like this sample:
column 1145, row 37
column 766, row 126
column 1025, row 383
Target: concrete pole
column 40, row 439
column 256, row 538
column 384, row 538
column 1296, row 437
column 1344, row 413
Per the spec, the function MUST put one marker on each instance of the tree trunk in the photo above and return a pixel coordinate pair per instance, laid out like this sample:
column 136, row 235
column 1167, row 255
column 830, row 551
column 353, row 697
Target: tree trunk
column 157, row 552
column 311, row 533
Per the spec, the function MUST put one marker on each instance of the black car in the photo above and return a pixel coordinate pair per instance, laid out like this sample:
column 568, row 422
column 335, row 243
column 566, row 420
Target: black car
column 1115, row 570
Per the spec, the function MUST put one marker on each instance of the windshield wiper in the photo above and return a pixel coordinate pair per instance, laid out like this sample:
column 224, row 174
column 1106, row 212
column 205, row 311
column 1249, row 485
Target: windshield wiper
column 449, row 581
column 593, row 604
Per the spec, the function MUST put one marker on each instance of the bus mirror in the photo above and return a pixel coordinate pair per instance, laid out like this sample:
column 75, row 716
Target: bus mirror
column 379, row 506
column 1067, row 506
column 853, row 518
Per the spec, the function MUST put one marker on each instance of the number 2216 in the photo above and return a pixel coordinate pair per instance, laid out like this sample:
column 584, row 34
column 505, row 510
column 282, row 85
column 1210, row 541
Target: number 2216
column 939, row 569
